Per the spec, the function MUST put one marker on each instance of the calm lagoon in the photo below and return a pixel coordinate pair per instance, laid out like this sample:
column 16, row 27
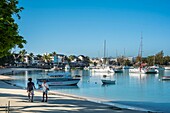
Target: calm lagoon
column 138, row 90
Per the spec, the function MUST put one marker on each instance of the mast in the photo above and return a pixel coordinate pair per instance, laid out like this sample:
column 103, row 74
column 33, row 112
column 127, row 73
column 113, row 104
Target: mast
column 140, row 49
column 104, row 52
column 124, row 52
column 154, row 61
column 104, row 48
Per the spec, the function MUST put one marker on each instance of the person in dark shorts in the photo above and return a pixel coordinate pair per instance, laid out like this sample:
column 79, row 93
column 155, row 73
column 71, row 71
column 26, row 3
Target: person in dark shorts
column 30, row 89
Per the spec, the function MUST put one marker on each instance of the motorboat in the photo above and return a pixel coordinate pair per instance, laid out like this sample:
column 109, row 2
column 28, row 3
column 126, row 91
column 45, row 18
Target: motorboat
column 107, row 79
column 58, row 79
column 158, row 68
column 151, row 70
column 104, row 81
column 118, row 70
column 166, row 78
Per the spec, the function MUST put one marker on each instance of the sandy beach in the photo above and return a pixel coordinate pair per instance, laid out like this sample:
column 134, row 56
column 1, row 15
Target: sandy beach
column 58, row 103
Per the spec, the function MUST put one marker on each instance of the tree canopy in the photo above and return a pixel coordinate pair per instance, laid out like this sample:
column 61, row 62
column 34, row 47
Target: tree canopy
column 9, row 32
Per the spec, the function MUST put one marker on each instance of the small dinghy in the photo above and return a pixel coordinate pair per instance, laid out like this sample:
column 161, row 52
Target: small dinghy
column 108, row 81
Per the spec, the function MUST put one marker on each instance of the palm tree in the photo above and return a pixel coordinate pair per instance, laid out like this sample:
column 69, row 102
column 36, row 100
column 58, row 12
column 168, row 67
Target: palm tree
column 31, row 55
column 72, row 57
column 22, row 53
column 46, row 58
column 39, row 57
column 54, row 53
column 15, row 56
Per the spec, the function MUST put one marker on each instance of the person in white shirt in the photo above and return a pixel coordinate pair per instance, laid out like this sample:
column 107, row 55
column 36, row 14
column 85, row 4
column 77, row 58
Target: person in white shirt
column 45, row 89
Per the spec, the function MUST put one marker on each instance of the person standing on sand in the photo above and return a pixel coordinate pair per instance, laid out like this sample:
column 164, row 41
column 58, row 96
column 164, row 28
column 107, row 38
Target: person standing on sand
column 30, row 89
column 45, row 89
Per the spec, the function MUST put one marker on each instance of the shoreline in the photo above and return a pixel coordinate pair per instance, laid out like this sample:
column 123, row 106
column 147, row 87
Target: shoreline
column 4, row 71
column 11, row 89
column 90, row 99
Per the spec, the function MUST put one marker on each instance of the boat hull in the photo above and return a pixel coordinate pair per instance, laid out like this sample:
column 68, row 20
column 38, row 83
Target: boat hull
column 59, row 81
column 143, row 70
column 108, row 81
column 118, row 71
column 103, row 70
column 167, row 67
column 166, row 78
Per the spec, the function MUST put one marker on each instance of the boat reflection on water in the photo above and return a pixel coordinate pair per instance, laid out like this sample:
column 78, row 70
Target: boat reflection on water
column 102, row 74
column 108, row 85
column 138, row 76
column 63, row 87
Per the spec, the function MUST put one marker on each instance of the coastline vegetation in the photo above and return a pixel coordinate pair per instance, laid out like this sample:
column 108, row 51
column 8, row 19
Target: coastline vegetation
column 26, row 59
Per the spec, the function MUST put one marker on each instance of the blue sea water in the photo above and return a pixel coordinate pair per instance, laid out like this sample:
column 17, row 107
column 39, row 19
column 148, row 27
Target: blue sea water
column 145, row 91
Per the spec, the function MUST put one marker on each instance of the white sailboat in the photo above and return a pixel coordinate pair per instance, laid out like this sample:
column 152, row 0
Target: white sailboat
column 142, row 68
column 104, row 68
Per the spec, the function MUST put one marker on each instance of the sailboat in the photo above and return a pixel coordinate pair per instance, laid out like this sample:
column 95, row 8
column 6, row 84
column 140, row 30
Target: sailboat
column 142, row 68
column 107, row 79
column 104, row 68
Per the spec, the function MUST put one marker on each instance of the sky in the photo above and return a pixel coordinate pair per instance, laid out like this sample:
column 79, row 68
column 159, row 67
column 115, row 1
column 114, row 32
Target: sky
column 79, row 27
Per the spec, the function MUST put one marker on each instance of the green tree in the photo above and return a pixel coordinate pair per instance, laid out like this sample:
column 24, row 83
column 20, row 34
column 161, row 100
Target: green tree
column 126, row 62
column 72, row 57
column 150, row 60
column 46, row 58
column 166, row 60
column 66, row 59
column 9, row 33
column 138, row 59
column 39, row 57
column 87, row 59
column 54, row 53
column 120, row 61
column 159, row 58
column 31, row 55
column 22, row 54
column 6, row 60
